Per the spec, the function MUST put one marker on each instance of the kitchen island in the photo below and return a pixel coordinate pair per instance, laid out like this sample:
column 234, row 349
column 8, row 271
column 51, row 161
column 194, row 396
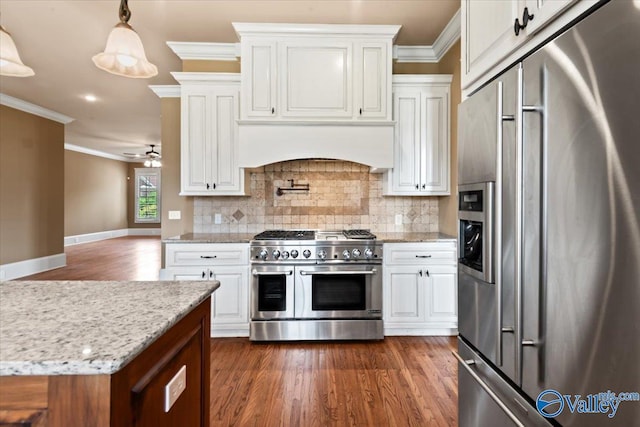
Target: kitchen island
column 93, row 353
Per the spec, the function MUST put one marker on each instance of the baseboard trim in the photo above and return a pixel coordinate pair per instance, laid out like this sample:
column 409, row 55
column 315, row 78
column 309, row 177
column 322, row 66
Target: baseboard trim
column 28, row 267
column 111, row 234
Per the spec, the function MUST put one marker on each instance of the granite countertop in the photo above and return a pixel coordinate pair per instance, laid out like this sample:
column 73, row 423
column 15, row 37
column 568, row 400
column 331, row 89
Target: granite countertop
column 87, row 327
column 211, row 238
column 400, row 237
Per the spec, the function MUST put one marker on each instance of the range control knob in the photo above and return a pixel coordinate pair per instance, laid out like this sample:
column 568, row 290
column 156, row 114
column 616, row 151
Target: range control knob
column 306, row 253
column 368, row 253
column 285, row 255
column 346, row 254
column 276, row 254
column 294, row 254
column 263, row 254
column 355, row 253
column 322, row 254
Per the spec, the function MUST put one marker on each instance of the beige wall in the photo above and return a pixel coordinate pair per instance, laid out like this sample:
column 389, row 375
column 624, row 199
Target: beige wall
column 171, row 201
column 450, row 64
column 95, row 194
column 31, row 186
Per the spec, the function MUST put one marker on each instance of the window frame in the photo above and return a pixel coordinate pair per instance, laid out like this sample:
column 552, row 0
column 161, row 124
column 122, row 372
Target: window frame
column 140, row 172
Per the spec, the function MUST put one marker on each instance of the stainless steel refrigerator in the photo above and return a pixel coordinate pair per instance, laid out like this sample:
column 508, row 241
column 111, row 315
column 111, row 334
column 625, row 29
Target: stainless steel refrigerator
column 549, row 259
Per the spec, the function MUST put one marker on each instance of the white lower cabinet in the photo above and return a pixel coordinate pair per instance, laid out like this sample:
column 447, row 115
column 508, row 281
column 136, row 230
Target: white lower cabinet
column 227, row 263
column 420, row 289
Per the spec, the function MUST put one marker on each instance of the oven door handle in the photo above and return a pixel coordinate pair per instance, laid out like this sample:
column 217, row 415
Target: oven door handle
column 272, row 273
column 345, row 272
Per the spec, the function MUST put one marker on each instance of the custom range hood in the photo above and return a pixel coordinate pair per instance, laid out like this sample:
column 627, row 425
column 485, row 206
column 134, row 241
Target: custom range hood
column 316, row 91
column 263, row 143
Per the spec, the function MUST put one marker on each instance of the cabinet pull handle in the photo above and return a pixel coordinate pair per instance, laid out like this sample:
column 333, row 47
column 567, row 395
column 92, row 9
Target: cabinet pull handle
column 420, row 273
column 207, row 185
column 427, row 273
column 208, row 256
column 526, row 17
column 214, row 185
column 424, row 186
column 204, row 273
column 361, row 111
column 273, row 110
column 210, row 274
column 423, row 256
column 417, row 186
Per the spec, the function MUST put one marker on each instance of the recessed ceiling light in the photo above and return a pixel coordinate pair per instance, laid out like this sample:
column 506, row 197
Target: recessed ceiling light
column 90, row 98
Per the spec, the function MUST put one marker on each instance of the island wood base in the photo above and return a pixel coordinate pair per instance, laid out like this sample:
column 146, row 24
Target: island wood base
column 133, row 396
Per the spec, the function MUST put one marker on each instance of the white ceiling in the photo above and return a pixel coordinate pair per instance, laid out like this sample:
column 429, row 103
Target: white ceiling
column 58, row 38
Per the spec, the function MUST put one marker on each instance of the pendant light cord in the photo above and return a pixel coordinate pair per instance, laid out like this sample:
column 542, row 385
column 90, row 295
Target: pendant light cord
column 125, row 13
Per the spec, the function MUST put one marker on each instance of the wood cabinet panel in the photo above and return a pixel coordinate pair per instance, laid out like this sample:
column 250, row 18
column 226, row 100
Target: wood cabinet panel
column 21, row 392
column 85, row 399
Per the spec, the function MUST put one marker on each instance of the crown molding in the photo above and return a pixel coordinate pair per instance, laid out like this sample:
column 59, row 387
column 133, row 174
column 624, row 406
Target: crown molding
column 434, row 53
column 206, row 51
column 166, row 91
column 37, row 110
column 97, row 153
column 205, row 78
column 338, row 30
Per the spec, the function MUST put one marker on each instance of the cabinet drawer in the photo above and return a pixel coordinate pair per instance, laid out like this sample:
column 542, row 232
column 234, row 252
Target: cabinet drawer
column 428, row 253
column 206, row 254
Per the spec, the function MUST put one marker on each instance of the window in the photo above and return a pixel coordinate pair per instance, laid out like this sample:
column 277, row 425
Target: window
column 147, row 195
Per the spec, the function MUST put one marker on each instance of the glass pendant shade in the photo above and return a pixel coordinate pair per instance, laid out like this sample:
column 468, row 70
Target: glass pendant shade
column 10, row 62
column 124, row 54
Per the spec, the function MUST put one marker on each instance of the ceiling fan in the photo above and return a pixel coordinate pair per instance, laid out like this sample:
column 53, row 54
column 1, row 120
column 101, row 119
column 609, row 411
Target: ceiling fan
column 152, row 157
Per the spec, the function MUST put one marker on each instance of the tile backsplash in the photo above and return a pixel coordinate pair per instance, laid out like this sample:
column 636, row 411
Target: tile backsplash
column 341, row 195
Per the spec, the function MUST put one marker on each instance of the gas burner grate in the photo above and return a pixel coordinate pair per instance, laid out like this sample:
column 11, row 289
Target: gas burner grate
column 359, row 234
column 285, row 235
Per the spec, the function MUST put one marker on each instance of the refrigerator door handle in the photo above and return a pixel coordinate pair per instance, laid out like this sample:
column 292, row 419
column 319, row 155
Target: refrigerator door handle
column 498, row 221
column 518, row 232
column 467, row 366
column 541, row 110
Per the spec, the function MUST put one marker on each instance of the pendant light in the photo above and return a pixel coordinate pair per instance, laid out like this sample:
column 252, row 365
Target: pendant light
column 10, row 62
column 124, row 54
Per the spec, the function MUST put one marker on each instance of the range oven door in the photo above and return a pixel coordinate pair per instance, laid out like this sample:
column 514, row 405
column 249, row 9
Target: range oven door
column 272, row 292
column 348, row 291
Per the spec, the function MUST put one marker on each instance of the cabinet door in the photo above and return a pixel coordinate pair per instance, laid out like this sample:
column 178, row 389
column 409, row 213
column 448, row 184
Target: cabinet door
column 442, row 296
column 195, row 139
column 259, row 79
column 225, row 173
column 487, row 35
column 405, row 176
column 371, row 82
column 404, row 296
column 434, row 173
column 316, row 79
column 187, row 273
column 230, row 308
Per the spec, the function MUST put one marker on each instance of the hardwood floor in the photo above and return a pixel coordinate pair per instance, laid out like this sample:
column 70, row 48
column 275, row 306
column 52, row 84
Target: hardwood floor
column 401, row 381
column 122, row 258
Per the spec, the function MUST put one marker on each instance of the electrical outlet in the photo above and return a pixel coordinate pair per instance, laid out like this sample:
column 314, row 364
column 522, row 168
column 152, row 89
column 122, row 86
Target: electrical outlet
column 217, row 218
column 398, row 219
column 174, row 388
column 174, row 214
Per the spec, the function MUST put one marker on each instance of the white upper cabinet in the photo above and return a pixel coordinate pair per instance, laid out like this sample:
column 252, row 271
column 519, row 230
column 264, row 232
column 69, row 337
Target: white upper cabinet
column 209, row 135
column 316, row 72
column 260, row 77
column 421, row 105
column 317, row 79
column 497, row 33
column 372, row 71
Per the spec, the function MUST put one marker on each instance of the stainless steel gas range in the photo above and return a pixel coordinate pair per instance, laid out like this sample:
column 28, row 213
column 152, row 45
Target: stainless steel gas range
column 316, row 285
